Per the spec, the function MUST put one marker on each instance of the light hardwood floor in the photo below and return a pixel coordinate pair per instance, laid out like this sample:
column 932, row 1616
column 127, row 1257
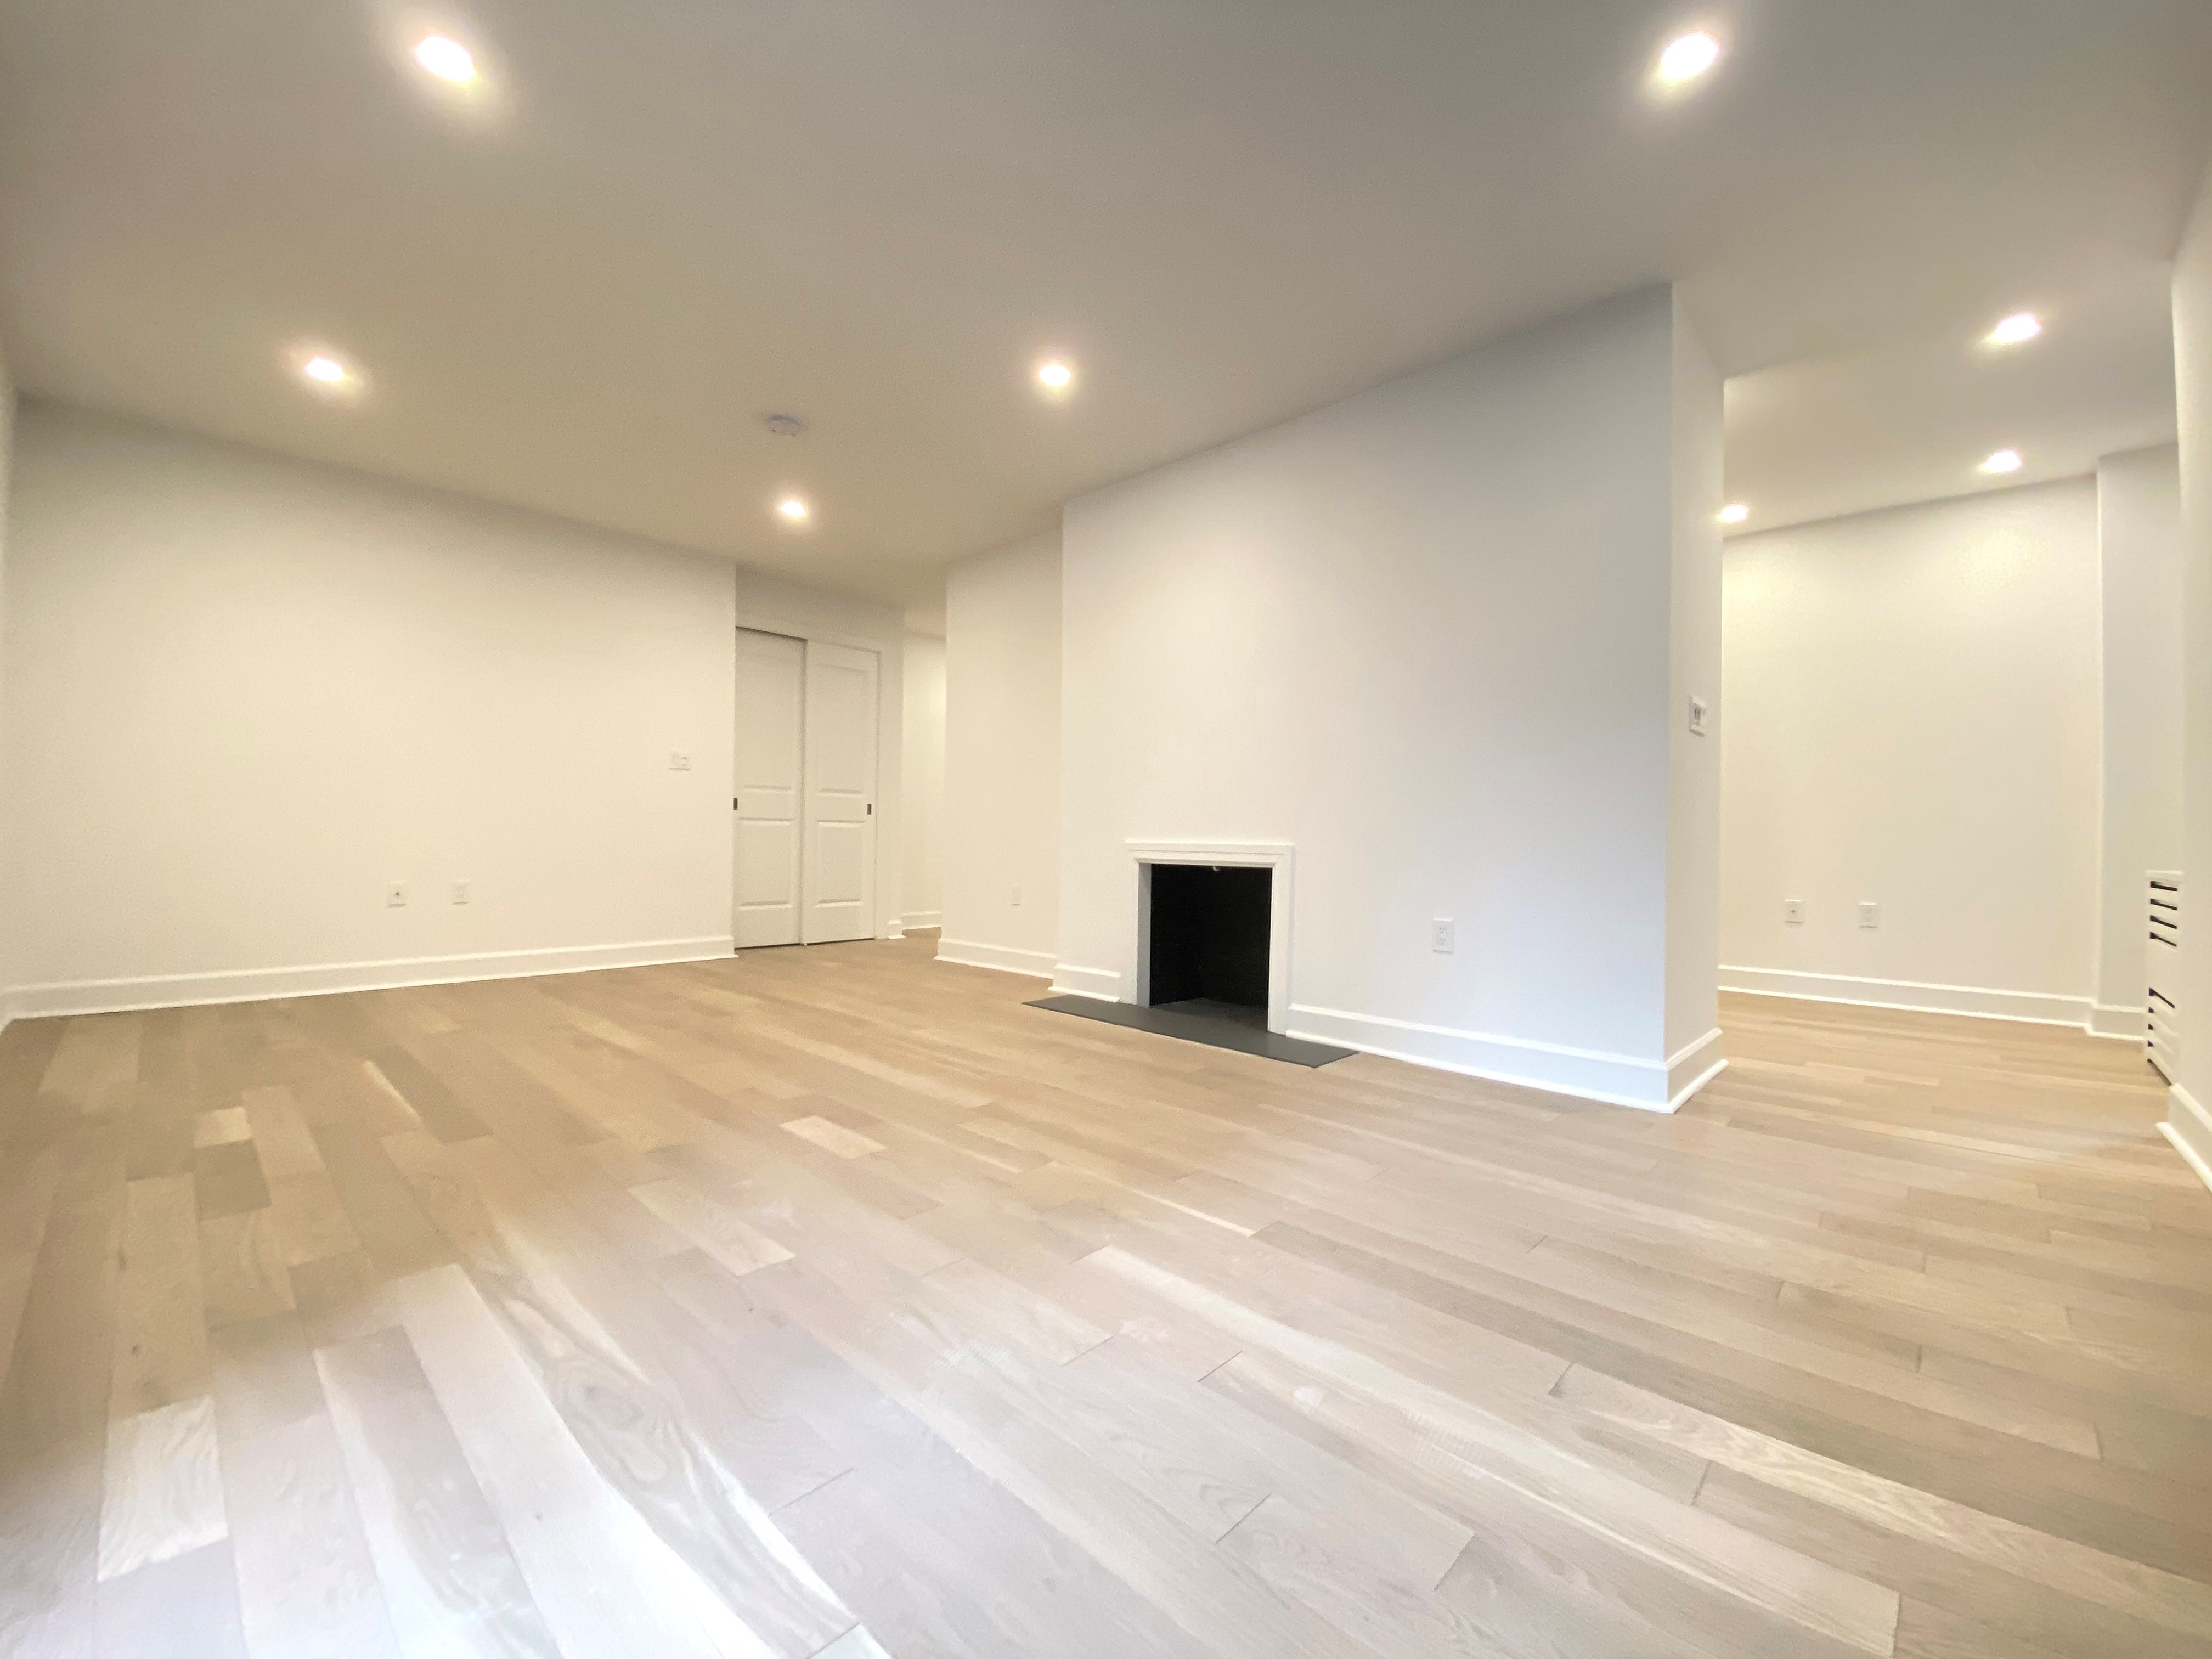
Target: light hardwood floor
column 830, row 1302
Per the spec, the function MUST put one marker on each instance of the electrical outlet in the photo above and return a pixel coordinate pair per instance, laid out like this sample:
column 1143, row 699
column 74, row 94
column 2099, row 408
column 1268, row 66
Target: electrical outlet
column 1440, row 936
column 1017, row 895
column 460, row 892
column 1793, row 912
column 1698, row 712
column 395, row 895
column 1869, row 915
column 678, row 760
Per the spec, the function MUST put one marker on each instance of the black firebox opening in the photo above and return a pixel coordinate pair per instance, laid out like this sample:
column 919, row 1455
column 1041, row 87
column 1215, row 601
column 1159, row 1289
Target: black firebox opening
column 1209, row 928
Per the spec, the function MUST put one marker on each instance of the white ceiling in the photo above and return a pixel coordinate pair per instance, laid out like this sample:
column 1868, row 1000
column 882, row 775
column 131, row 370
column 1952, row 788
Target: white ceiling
column 679, row 215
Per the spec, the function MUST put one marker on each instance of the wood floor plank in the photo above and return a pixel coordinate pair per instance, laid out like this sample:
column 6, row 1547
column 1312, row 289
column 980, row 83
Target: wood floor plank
column 184, row 1607
column 162, row 1493
column 449, row 1579
column 307, row 1584
column 605, row 1582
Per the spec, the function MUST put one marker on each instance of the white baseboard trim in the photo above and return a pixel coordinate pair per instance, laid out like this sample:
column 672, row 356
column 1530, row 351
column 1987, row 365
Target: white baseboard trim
column 1693, row 1066
column 2188, row 1127
column 2032, row 1007
column 922, row 919
column 1103, row 983
column 2126, row 1024
column 1586, row 1074
column 263, row 984
column 1036, row 964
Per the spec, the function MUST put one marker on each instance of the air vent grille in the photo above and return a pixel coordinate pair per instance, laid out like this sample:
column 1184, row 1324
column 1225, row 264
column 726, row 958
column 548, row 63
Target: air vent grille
column 2162, row 902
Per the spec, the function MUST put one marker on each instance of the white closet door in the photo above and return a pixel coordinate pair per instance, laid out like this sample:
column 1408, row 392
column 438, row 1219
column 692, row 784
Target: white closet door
column 839, row 863
column 771, row 709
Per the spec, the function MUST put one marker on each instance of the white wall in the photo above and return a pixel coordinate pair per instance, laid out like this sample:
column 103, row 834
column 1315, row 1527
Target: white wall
column 1428, row 636
column 1002, row 758
column 2191, row 1116
column 923, row 801
column 1913, row 719
column 244, row 693
column 2139, row 555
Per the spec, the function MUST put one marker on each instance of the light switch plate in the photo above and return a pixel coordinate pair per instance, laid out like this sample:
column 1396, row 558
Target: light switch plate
column 395, row 895
column 678, row 760
column 1869, row 915
column 1441, row 936
column 1793, row 912
column 1698, row 712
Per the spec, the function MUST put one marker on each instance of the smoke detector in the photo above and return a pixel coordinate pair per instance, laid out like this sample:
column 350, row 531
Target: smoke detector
column 786, row 426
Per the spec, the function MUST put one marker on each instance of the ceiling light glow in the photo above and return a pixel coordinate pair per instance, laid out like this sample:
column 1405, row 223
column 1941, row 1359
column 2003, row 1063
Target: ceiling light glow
column 1054, row 375
column 447, row 58
column 1735, row 512
column 2021, row 326
column 1688, row 58
column 329, row 371
column 794, row 510
column 2005, row 461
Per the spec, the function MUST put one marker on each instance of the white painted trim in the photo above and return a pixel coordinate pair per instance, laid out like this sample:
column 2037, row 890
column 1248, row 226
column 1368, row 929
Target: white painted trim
column 264, row 984
column 1693, row 1066
column 1675, row 1101
column 759, row 622
column 1280, row 856
column 2031, row 1007
column 2128, row 1025
column 1035, row 965
column 2188, row 1127
column 1103, row 983
column 1584, row 1073
column 913, row 919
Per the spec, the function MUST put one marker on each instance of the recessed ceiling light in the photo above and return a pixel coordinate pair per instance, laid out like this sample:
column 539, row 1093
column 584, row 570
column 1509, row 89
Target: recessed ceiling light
column 2005, row 461
column 1688, row 58
column 2020, row 326
column 1735, row 512
column 329, row 371
column 794, row 510
column 447, row 58
column 1054, row 375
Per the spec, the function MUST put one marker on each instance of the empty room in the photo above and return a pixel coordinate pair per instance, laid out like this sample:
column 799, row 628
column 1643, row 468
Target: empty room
column 1063, row 831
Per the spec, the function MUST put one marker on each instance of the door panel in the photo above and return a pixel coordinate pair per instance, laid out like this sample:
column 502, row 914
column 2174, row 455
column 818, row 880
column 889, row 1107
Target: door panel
column 771, row 702
column 839, row 862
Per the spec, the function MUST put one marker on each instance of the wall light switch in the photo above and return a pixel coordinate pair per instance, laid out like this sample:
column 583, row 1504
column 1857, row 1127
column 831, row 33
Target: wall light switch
column 1017, row 894
column 1440, row 936
column 460, row 892
column 1869, row 915
column 678, row 760
column 396, row 895
column 1698, row 712
column 1793, row 912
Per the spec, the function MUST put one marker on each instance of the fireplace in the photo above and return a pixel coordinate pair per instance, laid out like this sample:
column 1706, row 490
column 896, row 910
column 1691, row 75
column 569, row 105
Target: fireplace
column 1211, row 962
column 1209, row 928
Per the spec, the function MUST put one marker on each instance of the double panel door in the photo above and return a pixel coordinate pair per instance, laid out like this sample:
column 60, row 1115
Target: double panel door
column 805, row 804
